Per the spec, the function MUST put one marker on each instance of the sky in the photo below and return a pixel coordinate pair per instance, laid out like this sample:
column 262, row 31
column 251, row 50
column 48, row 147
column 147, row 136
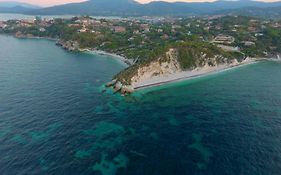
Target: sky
column 56, row 2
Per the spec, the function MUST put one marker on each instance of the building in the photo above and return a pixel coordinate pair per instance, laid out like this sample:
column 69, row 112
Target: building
column 73, row 25
column 42, row 29
column 26, row 23
column 228, row 48
column 146, row 30
column 223, row 39
column 2, row 25
column 176, row 27
column 258, row 34
column 160, row 30
column 136, row 32
column 145, row 27
column 165, row 36
column 276, row 25
column 119, row 29
column 252, row 29
column 248, row 43
column 83, row 30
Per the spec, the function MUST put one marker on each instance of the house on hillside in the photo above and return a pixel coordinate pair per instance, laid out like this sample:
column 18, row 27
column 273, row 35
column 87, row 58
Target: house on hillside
column 119, row 29
column 223, row 39
column 2, row 25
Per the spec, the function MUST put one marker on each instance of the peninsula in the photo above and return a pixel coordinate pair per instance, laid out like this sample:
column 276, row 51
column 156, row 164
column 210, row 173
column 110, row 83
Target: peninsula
column 160, row 50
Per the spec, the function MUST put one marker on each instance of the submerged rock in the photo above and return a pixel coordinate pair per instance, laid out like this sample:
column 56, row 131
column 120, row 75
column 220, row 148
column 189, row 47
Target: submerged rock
column 127, row 90
column 118, row 86
column 68, row 45
column 112, row 83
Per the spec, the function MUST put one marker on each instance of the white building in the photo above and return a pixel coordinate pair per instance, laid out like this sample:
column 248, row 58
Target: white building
column 223, row 39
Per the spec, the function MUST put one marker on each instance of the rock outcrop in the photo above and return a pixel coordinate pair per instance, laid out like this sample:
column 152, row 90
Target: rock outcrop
column 188, row 57
column 68, row 45
column 119, row 87
column 161, row 66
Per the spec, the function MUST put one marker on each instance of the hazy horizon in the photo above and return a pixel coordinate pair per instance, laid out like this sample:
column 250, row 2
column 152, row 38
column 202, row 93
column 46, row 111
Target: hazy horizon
column 57, row 2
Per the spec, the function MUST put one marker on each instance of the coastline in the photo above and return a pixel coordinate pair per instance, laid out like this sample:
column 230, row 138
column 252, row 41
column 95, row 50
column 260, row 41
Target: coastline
column 35, row 37
column 101, row 52
column 158, row 81
column 88, row 50
column 187, row 75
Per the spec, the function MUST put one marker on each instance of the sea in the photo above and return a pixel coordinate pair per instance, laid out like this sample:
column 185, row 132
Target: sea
column 56, row 118
column 15, row 16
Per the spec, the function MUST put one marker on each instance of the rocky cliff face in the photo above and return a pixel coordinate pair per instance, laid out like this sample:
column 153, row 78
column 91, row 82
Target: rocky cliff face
column 68, row 45
column 170, row 64
column 181, row 61
column 161, row 66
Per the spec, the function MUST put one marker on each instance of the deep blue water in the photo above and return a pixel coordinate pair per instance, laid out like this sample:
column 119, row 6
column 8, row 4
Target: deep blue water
column 54, row 120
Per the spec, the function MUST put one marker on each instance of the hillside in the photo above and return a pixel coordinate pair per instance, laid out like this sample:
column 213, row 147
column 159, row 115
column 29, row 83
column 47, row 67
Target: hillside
column 186, row 56
column 93, row 7
column 162, row 51
column 266, row 13
column 10, row 4
column 16, row 7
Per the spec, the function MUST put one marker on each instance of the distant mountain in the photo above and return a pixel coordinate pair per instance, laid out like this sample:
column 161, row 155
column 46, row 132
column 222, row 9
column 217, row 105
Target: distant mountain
column 267, row 13
column 93, row 7
column 117, row 8
column 11, row 4
column 210, row 7
column 156, row 8
column 16, row 7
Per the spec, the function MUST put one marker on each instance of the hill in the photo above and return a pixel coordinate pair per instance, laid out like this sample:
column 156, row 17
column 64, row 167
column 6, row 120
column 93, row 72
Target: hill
column 11, row 4
column 266, row 13
column 157, row 8
column 16, row 7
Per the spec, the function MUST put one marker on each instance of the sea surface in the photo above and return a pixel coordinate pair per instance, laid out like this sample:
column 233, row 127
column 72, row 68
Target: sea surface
column 55, row 118
column 15, row 16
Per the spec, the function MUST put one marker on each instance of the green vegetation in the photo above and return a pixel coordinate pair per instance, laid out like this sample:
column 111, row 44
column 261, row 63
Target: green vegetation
column 190, row 56
column 144, row 41
column 190, row 52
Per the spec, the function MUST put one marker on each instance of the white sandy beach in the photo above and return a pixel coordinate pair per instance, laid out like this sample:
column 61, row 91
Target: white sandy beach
column 185, row 75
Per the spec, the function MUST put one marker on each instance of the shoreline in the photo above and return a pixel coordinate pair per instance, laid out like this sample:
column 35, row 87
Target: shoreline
column 159, row 81
column 188, row 75
column 124, row 60
column 35, row 37
column 104, row 53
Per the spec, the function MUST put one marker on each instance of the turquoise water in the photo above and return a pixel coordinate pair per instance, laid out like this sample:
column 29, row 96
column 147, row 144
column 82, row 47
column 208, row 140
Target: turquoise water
column 54, row 118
